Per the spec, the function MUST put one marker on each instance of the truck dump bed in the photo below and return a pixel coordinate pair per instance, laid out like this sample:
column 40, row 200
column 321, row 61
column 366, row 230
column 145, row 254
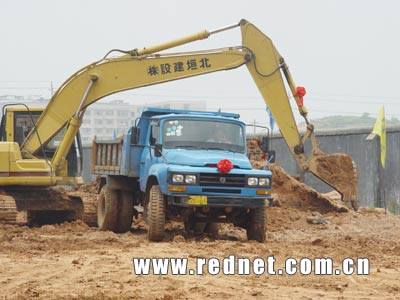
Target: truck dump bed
column 106, row 156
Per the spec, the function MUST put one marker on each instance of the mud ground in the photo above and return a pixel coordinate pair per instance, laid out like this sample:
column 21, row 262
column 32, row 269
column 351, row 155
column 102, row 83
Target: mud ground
column 75, row 261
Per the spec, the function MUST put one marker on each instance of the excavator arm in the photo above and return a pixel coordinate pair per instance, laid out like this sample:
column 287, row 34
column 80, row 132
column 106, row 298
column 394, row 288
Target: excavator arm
column 139, row 68
column 268, row 69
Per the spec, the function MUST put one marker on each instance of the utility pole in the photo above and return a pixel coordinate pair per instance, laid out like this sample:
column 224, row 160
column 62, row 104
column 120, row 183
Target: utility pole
column 51, row 89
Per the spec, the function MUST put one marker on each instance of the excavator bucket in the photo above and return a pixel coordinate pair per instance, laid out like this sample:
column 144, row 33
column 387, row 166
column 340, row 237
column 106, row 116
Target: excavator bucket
column 339, row 171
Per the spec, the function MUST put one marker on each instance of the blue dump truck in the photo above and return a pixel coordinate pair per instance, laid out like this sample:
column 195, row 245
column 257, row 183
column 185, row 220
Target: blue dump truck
column 181, row 165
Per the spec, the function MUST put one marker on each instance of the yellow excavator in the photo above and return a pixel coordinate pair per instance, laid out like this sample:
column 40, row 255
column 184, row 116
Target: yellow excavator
column 25, row 183
column 25, row 166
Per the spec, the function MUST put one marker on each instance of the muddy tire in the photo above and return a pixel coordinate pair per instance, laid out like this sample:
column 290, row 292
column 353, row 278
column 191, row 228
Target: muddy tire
column 212, row 228
column 257, row 224
column 156, row 214
column 125, row 212
column 107, row 209
column 114, row 210
column 200, row 228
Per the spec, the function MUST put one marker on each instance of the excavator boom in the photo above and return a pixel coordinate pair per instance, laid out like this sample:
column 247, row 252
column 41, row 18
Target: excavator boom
column 139, row 68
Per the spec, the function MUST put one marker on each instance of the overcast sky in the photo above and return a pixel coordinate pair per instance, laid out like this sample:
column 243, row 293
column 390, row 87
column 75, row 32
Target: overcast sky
column 346, row 53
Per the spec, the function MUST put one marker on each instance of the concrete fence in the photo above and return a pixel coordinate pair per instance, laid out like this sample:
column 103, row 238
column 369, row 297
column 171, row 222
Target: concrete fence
column 377, row 187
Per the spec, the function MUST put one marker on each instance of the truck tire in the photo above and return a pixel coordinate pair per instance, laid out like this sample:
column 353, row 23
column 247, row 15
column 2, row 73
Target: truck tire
column 114, row 210
column 156, row 214
column 125, row 212
column 257, row 224
column 212, row 228
column 107, row 209
column 200, row 228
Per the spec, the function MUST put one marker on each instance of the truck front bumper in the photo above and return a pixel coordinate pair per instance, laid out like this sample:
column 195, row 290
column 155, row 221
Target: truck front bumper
column 216, row 201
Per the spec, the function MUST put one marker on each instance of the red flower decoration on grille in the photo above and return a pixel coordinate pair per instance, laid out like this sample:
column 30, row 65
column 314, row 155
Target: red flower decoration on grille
column 224, row 166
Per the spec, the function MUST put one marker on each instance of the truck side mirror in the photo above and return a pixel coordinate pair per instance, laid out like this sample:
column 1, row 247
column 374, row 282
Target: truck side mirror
column 157, row 150
column 265, row 144
column 135, row 134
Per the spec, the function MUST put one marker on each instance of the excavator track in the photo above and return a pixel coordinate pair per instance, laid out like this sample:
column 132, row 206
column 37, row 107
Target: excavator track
column 47, row 206
column 8, row 209
column 89, row 201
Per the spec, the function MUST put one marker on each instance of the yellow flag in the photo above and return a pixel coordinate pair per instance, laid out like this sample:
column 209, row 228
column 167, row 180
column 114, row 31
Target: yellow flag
column 380, row 129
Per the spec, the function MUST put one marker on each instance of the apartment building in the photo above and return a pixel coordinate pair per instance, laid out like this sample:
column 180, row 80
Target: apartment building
column 114, row 118
column 187, row 105
column 107, row 120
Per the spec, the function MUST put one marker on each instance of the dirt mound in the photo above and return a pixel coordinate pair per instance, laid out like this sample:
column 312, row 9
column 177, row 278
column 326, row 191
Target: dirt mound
column 292, row 193
column 89, row 187
column 289, row 192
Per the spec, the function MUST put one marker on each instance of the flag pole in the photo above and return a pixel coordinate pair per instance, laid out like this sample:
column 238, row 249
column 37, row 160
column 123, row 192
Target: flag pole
column 380, row 130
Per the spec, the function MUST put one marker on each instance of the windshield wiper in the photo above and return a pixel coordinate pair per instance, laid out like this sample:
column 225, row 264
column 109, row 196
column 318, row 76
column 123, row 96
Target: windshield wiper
column 215, row 148
column 188, row 146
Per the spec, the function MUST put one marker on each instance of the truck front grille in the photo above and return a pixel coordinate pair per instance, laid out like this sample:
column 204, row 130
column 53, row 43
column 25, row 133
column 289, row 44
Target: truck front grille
column 222, row 180
column 222, row 191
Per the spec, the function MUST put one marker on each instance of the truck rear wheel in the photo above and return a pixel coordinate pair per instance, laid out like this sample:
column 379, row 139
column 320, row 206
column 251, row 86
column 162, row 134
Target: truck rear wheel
column 114, row 210
column 107, row 209
column 125, row 212
column 212, row 228
column 156, row 214
column 201, row 227
column 257, row 224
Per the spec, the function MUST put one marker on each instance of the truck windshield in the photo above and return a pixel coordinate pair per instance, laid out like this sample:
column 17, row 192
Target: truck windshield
column 203, row 134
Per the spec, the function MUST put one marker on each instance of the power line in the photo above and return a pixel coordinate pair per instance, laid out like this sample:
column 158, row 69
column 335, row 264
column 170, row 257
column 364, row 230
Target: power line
column 324, row 98
column 206, row 97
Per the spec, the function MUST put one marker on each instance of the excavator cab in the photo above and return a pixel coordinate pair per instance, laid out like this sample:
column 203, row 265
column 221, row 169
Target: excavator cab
column 16, row 123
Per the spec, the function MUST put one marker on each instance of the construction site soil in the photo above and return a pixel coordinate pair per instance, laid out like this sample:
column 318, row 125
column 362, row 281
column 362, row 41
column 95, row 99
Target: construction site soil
column 75, row 261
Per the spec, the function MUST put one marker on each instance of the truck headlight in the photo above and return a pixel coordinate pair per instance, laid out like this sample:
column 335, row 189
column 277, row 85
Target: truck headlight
column 265, row 181
column 252, row 181
column 190, row 179
column 177, row 178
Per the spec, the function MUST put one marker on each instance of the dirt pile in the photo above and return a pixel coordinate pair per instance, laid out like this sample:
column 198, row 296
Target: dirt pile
column 289, row 192
column 292, row 193
column 89, row 187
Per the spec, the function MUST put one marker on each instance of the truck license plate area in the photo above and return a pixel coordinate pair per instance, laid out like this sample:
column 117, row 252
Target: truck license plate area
column 199, row 200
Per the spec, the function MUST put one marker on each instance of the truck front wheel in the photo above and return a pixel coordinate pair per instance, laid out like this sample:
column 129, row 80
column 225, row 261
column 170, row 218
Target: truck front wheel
column 257, row 224
column 156, row 214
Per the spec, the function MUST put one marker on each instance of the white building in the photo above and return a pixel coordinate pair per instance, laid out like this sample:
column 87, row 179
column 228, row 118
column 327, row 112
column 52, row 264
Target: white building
column 111, row 119
column 106, row 120
column 187, row 105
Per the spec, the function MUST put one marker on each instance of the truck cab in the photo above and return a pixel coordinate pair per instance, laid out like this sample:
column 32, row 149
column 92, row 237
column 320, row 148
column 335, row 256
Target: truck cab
column 190, row 166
